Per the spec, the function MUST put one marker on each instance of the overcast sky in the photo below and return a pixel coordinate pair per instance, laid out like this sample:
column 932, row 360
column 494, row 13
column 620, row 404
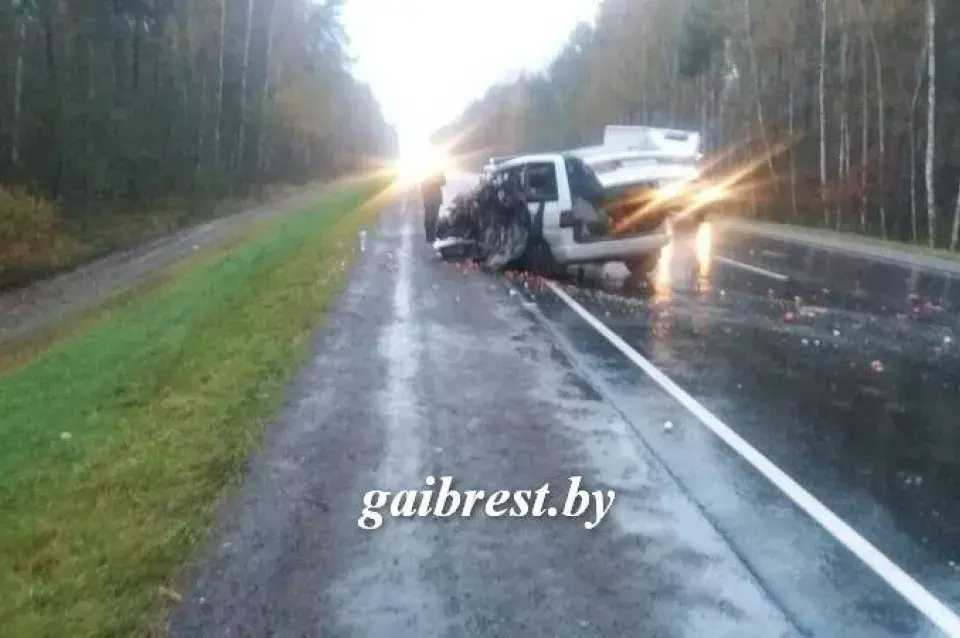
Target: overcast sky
column 428, row 59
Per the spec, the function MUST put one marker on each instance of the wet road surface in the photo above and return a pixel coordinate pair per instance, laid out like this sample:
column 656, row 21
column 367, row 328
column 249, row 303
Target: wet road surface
column 842, row 372
column 425, row 369
column 846, row 376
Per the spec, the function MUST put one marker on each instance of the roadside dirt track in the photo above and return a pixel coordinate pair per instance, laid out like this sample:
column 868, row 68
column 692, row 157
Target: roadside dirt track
column 24, row 311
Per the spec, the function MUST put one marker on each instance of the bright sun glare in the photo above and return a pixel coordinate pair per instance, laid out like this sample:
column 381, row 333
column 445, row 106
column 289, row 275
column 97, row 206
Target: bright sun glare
column 420, row 160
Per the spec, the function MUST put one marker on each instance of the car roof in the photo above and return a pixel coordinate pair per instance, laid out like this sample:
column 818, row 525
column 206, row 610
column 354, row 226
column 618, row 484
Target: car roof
column 589, row 151
column 526, row 159
column 629, row 154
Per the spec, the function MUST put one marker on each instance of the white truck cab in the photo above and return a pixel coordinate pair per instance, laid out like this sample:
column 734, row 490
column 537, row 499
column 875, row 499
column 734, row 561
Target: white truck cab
column 566, row 200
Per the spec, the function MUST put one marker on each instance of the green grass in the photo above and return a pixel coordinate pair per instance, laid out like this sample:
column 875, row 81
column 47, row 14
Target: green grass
column 20, row 352
column 117, row 443
column 907, row 247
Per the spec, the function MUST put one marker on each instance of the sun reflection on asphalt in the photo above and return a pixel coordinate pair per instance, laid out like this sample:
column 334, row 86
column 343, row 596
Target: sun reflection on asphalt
column 662, row 277
column 704, row 247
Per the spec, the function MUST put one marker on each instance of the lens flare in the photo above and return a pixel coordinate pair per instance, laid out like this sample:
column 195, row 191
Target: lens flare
column 670, row 191
column 661, row 276
column 416, row 164
column 704, row 248
column 711, row 195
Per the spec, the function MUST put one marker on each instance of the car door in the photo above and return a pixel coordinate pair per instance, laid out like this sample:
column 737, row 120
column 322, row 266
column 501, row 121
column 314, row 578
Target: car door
column 543, row 193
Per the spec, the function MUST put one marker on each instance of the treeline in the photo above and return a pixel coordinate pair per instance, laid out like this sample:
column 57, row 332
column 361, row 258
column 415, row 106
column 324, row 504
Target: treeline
column 133, row 99
column 847, row 109
column 119, row 105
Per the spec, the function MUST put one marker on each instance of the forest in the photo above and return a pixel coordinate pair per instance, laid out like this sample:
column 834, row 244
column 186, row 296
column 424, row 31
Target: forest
column 845, row 111
column 120, row 116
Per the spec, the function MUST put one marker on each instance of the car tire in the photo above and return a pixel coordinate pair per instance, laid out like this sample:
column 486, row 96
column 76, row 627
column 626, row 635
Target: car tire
column 644, row 265
column 539, row 259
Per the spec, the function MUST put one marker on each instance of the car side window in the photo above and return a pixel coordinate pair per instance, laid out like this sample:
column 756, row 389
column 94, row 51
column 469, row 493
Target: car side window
column 515, row 176
column 583, row 181
column 508, row 176
column 540, row 178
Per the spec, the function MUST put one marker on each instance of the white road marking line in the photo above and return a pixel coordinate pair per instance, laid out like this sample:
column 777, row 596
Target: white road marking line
column 773, row 254
column 913, row 592
column 754, row 269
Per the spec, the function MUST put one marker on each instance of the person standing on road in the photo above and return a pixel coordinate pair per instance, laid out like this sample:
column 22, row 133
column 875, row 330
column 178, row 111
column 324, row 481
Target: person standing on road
column 432, row 192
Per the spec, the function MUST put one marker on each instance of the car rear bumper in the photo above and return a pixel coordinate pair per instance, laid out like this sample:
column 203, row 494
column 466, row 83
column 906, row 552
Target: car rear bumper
column 613, row 249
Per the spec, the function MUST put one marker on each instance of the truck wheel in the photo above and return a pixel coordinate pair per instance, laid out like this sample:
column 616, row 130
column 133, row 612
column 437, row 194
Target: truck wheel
column 644, row 265
column 539, row 259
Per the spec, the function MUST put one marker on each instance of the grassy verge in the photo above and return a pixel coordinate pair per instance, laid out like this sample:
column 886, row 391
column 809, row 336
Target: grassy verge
column 117, row 443
column 19, row 352
column 914, row 249
column 869, row 240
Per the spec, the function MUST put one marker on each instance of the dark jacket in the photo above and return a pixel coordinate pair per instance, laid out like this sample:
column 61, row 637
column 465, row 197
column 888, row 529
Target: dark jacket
column 431, row 189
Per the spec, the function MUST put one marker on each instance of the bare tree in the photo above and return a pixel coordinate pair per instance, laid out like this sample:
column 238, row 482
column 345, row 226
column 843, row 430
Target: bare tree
column 746, row 77
column 244, row 74
column 218, row 120
column 914, row 101
column 931, row 121
column 823, row 111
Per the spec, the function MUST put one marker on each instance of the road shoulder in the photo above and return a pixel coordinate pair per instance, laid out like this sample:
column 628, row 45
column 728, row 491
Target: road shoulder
column 842, row 242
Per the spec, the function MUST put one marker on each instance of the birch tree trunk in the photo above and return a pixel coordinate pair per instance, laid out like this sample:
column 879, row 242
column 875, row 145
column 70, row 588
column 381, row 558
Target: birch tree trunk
column 955, row 231
column 219, row 116
column 758, row 100
column 244, row 74
column 844, row 121
column 823, row 112
column 881, row 133
column 931, row 121
column 265, row 94
column 792, row 114
column 17, row 91
column 864, row 136
column 914, row 102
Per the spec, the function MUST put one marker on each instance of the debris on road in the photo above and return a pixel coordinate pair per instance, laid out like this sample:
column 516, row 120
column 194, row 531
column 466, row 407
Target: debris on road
column 876, row 365
column 812, row 311
column 171, row 594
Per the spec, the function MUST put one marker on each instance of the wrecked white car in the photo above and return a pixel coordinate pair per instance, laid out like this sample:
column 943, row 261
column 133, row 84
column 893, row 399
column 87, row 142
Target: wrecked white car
column 546, row 212
column 616, row 202
column 658, row 170
column 491, row 166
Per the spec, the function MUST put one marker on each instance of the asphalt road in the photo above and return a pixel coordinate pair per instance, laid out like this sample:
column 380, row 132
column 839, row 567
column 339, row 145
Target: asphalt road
column 842, row 372
column 426, row 369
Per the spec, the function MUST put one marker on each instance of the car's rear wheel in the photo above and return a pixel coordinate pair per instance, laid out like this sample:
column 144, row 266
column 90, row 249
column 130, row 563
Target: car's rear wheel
column 539, row 259
column 643, row 265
